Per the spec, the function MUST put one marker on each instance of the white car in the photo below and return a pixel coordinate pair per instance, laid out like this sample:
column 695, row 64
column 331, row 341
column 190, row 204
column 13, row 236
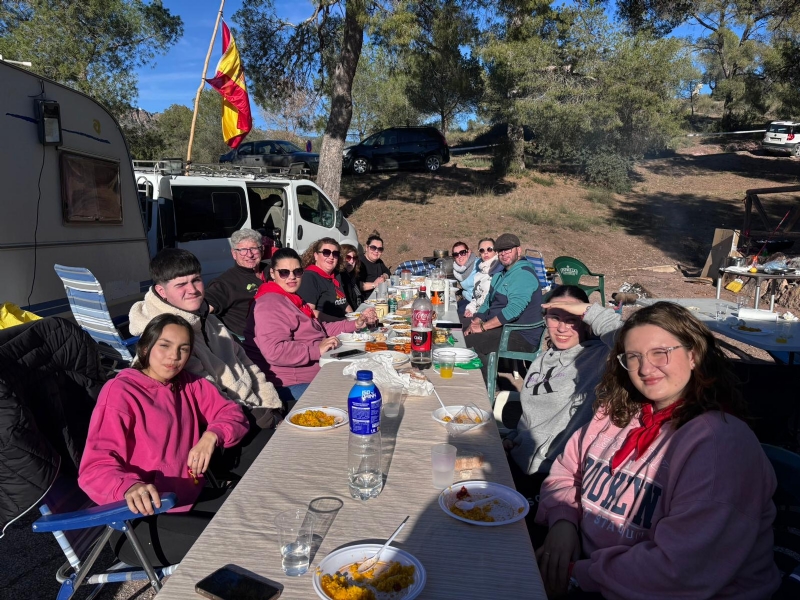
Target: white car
column 782, row 136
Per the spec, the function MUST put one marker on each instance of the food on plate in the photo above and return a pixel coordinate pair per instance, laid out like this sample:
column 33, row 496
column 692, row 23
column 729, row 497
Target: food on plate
column 402, row 327
column 479, row 513
column 313, row 418
column 403, row 312
column 379, row 337
column 376, row 346
column 746, row 328
column 383, row 577
column 462, row 419
column 356, row 337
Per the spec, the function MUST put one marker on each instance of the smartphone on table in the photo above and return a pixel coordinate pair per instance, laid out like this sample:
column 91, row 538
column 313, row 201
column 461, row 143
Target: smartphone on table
column 347, row 354
column 232, row 582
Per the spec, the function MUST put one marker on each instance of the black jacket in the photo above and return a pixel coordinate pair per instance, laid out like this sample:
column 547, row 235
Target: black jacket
column 50, row 376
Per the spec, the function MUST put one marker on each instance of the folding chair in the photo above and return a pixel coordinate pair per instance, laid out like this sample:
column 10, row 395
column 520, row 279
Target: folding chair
column 536, row 258
column 570, row 270
column 417, row 267
column 504, row 352
column 787, row 520
column 88, row 304
column 85, row 530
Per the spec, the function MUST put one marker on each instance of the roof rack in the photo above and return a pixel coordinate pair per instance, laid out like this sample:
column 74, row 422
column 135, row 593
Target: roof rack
column 176, row 166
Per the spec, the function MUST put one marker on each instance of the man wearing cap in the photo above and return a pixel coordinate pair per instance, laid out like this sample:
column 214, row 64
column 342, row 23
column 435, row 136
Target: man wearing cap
column 514, row 297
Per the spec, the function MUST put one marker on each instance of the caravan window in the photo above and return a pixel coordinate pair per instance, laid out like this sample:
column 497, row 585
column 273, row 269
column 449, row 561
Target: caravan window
column 207, row 213
column 314, row 207
column 90, row 189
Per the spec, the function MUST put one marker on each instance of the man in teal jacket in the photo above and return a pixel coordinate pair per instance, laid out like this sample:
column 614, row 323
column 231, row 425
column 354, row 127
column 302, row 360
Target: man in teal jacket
column 514, row 297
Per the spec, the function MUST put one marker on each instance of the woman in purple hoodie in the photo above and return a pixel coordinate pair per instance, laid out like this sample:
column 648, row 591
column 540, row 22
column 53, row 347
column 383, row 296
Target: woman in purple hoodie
column 666, row 492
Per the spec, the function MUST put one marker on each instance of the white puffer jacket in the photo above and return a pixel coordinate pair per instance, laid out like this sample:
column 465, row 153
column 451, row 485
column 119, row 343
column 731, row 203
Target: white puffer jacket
column 483, row 281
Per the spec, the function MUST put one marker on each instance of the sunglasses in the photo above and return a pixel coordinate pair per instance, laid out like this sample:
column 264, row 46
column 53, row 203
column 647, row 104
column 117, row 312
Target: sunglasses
column 461, row 253
column 350, row 258
column 484, row 250
column 327, row 252
column 375, row 248
column 284, row 273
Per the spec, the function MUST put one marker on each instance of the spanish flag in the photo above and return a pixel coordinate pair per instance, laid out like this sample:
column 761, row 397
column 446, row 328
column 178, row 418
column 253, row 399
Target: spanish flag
column 229, row 82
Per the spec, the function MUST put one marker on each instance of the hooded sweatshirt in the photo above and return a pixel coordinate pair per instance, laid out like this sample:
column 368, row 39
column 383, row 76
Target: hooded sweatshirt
column 690, row 518
column 141, row 431
column 558, row 392
column 215, row 356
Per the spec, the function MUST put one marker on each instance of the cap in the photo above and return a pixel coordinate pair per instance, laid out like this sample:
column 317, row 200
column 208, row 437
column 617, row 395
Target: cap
column 364, row 375
column 506, row 241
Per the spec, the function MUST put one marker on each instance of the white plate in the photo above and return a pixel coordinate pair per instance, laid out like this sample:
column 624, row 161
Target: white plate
column 400, row 339
column 510, row 507
column 353, row 316
column 347, row 556
column 355, row 339
column 337, row 413
column 439, row 414
column 394, row 318
column 398, row 358
column 462, row 354
column 762, row 332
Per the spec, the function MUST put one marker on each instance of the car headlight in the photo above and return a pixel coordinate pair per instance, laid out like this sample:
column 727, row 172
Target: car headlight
column 346, row 152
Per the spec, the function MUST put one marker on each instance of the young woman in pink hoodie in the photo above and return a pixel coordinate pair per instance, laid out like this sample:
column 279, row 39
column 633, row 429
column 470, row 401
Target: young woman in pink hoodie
column 666, row 493
column 155, row 429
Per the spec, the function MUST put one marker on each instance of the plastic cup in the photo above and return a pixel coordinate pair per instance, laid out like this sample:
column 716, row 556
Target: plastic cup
column 443, row 463
column 296, row 533
column 783, row 333
column 447, row 363
column 722, row 311
column 741, row 301
column 393, row 398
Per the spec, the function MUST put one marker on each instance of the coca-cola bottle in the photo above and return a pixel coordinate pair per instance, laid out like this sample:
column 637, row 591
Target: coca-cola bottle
column 421, row 330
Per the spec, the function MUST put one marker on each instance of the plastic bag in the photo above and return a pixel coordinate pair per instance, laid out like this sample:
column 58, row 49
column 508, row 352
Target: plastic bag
column 776, row 265
column 383, row 371
column 12, row 315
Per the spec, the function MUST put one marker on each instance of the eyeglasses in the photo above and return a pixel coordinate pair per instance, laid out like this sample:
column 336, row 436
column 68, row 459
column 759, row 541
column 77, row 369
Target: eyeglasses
column 484, row 250
column 327, row 252
column 571, row 321
column 243, row 251
column 350, row 258
column 658, row 357
column 461, row 253
column 284, row 273
column 375, row 248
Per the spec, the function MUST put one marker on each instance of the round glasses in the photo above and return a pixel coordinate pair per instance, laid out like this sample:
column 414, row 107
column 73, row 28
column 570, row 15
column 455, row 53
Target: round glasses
column 658, row 357
column 485, row 250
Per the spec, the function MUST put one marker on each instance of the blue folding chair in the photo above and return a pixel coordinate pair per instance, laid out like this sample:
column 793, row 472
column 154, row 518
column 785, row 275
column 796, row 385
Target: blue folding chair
column 417, row 267
column 536, row 259
column 83, row 533
column 88, row 304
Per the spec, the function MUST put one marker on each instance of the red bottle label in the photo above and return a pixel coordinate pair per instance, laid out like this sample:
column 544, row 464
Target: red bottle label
column 420, row 341
column 421, row 318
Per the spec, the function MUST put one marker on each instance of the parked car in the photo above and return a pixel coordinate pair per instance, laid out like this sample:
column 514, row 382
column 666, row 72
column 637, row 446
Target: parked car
column 398, row 147
column 271, row 153
column 781, row 136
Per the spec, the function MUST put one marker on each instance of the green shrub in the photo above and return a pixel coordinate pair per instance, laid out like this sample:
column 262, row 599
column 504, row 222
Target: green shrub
column 605, row 168
column 600, row 196
column 403, row 248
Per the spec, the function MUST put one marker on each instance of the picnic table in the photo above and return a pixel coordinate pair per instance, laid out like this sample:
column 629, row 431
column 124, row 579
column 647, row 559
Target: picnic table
column 765, row 339
column 759, row 277
column 308, row 468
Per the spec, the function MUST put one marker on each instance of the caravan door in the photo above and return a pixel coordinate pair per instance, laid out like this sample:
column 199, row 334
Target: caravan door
column 206, row 215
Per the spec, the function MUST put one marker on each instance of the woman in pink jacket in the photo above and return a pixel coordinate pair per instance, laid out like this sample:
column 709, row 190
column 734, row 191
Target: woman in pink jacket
column 283, row 337
column 666, row 493
column 154, row 429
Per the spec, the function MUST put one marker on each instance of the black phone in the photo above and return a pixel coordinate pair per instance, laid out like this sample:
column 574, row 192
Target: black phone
column 232, row 582
column 448, row 325
column 347, row 353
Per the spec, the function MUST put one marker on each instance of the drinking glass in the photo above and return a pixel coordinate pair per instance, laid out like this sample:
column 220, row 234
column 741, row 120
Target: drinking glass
column 296, row 531
column 443, row 463
column 741, row 301
column 393, row 398
column 722, row 311
column 783, row 332
column 447, row 363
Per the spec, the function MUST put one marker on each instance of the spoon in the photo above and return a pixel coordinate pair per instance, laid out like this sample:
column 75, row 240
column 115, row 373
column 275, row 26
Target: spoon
column 370, row 562
column 447, row 412
column 467, row 505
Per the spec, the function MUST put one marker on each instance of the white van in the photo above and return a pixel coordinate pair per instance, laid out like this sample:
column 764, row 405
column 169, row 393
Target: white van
column 200, row 210
column 782, row 136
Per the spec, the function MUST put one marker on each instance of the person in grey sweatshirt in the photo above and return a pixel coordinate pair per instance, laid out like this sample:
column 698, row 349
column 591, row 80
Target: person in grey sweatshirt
column 559, row 388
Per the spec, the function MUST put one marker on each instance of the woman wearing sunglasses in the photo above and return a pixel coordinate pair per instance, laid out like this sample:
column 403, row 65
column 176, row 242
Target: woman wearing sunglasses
column 373, row 271
column 322, row 287
column 485, row 269
column 352, row 267
column 666, row 492
column 283, row 336
column 464, row 263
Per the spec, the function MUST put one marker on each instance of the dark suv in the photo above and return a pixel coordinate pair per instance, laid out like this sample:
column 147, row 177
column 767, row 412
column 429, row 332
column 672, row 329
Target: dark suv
column 398, row 147
column 271, row 153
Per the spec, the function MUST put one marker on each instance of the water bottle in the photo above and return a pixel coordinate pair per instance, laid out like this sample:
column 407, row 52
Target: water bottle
column 421, row 331
column 364, row 474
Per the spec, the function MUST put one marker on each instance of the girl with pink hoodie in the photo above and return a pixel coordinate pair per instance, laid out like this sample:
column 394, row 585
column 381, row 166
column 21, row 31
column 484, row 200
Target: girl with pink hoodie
column 666, row 493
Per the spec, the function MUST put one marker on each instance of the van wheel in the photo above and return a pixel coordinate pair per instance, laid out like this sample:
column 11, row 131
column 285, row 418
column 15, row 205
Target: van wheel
column 432, row 163
column 796, row 151
column 360, row 166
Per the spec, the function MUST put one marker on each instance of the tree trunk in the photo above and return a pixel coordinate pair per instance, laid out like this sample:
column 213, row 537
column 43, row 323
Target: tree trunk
column 516, row 138
column 329, row 177
column 444, row 123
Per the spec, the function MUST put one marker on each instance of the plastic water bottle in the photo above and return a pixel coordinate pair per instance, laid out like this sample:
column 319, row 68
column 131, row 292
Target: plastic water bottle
column 421, row 331
column 364, row 474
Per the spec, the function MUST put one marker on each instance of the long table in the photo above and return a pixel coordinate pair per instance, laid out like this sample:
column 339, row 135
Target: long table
column 771, row 278
column 308, row 469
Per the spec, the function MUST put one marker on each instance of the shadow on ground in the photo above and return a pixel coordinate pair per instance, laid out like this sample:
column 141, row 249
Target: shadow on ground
column 781, row 171
column 416, row 187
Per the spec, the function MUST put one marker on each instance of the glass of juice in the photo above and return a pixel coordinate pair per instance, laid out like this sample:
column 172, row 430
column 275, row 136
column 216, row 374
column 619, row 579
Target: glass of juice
column 447, row 362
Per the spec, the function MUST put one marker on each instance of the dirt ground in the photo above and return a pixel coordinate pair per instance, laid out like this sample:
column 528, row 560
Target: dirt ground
column 666, row 222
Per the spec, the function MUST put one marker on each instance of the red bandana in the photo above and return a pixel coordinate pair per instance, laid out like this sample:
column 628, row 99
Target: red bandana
column 332, row 277
column 640, row 438
column 273, row 288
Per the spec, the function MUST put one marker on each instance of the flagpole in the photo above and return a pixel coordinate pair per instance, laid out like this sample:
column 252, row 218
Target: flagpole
column 202, row 85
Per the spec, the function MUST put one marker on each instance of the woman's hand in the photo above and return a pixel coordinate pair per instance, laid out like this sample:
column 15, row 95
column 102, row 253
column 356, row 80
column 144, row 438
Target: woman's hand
column 365, row 318
column 141, row 497
column 474, row 327
column 200, row 455
column 561, row 547
column 468, row 313
column 578, row 308
column 328, row 343
column 509, row 445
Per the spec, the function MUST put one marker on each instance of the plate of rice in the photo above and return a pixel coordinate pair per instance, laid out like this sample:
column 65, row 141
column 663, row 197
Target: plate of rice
column 317, row 418
column 508, row 506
